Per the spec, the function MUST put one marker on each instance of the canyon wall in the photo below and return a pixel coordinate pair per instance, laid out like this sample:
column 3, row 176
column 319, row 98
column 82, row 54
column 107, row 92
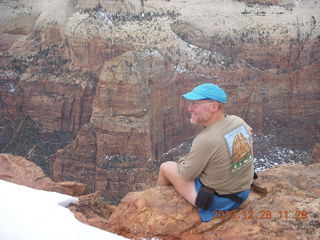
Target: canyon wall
column 112, row 73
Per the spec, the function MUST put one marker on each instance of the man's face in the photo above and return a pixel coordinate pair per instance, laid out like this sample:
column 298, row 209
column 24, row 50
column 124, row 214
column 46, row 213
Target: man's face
column 200, row 111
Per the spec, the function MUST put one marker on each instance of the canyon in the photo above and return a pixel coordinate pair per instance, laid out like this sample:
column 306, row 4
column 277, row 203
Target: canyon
column 91, row 90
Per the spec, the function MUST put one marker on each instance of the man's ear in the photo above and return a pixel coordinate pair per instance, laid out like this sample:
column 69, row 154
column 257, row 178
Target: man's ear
column 214, row 106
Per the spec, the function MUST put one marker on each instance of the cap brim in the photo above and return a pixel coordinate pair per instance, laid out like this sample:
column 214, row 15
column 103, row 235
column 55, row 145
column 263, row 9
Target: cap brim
column 193, row 96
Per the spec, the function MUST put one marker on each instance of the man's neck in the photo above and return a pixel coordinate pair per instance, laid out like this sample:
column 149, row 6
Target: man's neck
column 215, row 118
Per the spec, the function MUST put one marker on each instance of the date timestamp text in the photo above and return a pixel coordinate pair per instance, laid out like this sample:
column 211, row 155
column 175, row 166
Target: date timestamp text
column 262, row 214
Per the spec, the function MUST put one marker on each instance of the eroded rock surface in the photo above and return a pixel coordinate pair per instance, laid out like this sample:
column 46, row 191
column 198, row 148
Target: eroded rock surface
column 18, row 170
column 288, row 209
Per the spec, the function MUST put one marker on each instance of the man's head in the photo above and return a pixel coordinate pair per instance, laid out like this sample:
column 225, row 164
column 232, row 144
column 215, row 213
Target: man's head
column 207, row 103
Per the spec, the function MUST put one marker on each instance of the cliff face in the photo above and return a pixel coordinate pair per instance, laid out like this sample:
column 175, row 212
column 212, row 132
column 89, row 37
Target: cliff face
column 134, row 120
column 114, row 73
column 274, row 63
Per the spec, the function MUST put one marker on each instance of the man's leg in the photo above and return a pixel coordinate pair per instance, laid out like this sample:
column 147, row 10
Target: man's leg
column 168, row 175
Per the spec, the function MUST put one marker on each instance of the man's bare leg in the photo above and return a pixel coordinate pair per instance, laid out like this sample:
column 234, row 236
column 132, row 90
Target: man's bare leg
column 168, row 175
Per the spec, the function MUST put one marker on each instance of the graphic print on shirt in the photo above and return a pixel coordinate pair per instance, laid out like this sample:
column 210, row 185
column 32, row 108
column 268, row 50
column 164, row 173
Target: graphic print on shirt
column 239, row 145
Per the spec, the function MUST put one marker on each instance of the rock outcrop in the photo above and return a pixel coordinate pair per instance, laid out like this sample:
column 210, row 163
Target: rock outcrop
column 19, row 170
column 283, row 204
column 287, row 208
column 78, row 189
column 113, row 73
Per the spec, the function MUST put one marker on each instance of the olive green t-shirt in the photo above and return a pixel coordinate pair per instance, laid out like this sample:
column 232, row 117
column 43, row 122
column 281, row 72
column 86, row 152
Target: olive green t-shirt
column 221, row 156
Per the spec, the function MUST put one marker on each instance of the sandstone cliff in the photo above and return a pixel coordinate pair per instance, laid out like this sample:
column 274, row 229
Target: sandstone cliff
column 112, row 72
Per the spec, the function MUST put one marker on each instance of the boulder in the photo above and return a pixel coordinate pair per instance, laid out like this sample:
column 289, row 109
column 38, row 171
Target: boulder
column 19, row 170
column 77, row 187
column 288, row 209
column 157, row 211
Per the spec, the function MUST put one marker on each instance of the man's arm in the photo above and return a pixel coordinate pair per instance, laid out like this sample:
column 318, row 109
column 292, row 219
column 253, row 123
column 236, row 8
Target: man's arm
column 191, row 166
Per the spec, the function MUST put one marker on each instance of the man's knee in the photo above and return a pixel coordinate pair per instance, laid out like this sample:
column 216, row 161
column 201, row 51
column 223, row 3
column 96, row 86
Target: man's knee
column 165, row 173
column 168, row 166
column 170, row 171
column 169, row 174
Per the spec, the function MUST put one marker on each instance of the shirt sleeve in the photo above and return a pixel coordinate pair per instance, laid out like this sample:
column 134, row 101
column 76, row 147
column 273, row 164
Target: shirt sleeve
column 195, row 162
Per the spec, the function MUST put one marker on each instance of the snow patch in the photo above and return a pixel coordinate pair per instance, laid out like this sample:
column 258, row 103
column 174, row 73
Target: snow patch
column 30, row 214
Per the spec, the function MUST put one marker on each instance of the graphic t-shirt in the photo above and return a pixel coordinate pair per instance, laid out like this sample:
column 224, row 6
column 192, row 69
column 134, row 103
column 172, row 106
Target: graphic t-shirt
column 221, row 156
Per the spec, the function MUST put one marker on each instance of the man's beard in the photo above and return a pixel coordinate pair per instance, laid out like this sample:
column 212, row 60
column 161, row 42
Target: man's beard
column 199, row 120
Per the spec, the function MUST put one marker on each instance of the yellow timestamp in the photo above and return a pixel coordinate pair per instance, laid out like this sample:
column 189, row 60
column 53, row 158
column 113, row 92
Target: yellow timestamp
column 262, row 214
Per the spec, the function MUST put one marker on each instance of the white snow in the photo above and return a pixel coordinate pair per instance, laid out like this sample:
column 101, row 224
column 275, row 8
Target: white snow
column 30, row 214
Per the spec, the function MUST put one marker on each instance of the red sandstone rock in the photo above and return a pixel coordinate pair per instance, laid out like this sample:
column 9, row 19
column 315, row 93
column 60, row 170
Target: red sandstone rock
column 88, row 216
column 77, row 188
column 289, row 209
column 158, row 211
column 20, row 171
column 63, row 106
column 126, row 135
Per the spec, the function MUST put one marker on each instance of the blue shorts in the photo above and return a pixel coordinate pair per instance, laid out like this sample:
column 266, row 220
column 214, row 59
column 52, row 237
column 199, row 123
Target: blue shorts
column 219, row 203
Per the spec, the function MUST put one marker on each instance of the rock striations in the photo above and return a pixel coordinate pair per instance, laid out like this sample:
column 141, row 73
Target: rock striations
column 112, row 73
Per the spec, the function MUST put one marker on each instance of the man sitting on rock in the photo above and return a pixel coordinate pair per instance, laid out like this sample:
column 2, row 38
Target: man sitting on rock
column 217, row 173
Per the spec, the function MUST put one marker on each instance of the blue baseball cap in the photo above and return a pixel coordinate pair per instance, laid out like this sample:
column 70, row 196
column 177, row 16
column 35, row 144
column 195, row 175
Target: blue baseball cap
column 207, row 91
